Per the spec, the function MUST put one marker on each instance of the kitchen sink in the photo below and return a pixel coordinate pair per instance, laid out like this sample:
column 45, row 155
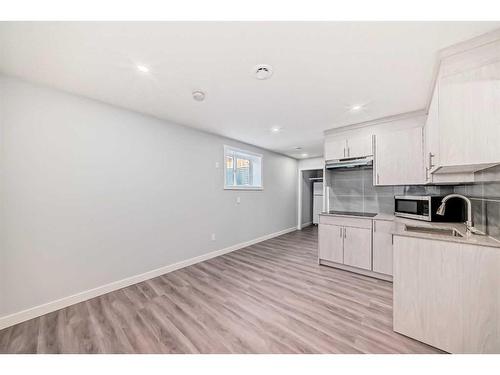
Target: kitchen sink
column 450, row 232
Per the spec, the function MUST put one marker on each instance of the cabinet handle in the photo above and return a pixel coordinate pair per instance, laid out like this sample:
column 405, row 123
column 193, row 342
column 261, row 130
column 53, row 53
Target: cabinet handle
column 348, row 152
column 431, row 155
column 340, row 232
column 374, row 226
column 344, row 152
column 345, row 230
column 378, row 179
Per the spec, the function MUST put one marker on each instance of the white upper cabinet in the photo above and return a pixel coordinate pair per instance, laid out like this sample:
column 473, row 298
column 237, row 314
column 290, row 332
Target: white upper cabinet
column 335, row 148
column 469, row 117
column 431, row 131
column 463, row 126
column 359, row 146
column 399, row 157
column 342, row 147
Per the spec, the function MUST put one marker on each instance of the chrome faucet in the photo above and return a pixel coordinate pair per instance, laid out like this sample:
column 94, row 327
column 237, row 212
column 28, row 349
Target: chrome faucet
column 468, row 224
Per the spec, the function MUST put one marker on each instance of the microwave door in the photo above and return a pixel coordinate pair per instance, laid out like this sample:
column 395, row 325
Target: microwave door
column 407, row 207
column 416, row 208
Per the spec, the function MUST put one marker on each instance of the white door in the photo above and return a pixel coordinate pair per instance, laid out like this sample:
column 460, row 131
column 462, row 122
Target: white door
column 399, row 157
column 359, row 146
column 330, row 243
column 335, row 148
column 382, row 246
column 358, row 247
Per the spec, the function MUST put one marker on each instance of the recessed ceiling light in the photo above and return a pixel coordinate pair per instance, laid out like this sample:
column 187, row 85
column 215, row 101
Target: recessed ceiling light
column 304, row 154
column 298, row 148
column 198, row 95
column 356, row 107
column 275, row 129
column 143, row 68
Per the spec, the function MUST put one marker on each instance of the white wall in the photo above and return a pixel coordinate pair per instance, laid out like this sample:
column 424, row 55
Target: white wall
column 91, row 194
column 311, row 163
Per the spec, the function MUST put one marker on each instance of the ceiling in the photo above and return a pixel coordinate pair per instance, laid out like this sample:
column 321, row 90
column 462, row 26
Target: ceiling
column 320, row 70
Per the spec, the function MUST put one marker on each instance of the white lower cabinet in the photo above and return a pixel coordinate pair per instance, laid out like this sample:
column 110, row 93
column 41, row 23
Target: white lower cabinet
column 358, row 247
column 331, row 242
column 447, row 294
column 382, row 246
column 346, row 241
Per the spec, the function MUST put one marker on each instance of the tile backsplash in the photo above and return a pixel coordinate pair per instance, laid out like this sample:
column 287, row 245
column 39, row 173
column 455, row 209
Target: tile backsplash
column 353, row 190
column 485, row 198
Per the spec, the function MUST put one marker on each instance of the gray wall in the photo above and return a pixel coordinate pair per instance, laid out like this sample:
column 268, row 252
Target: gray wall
column 92, row 194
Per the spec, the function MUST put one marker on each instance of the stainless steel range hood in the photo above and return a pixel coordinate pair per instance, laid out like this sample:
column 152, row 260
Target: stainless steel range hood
column 366, row 162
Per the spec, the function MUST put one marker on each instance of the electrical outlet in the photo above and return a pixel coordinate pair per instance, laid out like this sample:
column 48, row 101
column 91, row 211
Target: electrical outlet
column 238, row 200
column 217, row 164
column 213, row 236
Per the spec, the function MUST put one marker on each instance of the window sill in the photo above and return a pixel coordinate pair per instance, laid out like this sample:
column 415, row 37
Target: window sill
column 243, row 188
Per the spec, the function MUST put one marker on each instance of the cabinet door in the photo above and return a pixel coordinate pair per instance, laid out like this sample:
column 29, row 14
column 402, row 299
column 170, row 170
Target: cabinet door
column 330, row 243
column 481, row 299
column 469, row 116
column 382, row 246
column 359, row 146
column 335, row 148
column 399, row 157
column 427, row 299
column 431, row 131
column 358, row 247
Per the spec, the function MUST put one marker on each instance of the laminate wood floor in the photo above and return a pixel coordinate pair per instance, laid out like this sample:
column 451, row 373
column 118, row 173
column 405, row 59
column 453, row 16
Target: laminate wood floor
column 271, row 297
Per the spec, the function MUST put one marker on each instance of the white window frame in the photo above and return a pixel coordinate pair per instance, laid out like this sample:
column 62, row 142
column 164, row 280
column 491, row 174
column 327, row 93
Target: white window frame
column 241, row 151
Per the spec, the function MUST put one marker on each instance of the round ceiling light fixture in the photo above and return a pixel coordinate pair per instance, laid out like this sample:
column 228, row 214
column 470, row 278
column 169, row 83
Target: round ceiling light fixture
column 198, row 95
column 276, row 129
column 263, row 71
column 143, row 68
column 356, row 107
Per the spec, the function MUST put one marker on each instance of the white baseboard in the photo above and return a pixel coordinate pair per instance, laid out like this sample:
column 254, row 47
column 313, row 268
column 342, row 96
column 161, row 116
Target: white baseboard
column 21, row 316
column 305, row 225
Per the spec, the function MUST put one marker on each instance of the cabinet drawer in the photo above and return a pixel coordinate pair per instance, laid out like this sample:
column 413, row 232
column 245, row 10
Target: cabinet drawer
column 346, row 221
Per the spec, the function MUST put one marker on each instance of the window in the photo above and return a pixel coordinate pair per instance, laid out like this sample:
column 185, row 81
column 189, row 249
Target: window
column 242, row 169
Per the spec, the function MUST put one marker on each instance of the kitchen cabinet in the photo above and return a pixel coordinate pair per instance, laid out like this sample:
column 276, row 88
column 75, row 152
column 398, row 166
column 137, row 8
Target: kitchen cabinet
column 340, row 147
column 359, row 146
column 346, row 241
column 399, row 157
column 358, row 247
column 447, row 294
column 469, row 117
column 335, row 148
column 431, row 132
column 331, row 242
column 382, row 246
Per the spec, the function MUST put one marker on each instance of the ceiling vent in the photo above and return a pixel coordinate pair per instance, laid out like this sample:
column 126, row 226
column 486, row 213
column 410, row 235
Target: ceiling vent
column 263, row 71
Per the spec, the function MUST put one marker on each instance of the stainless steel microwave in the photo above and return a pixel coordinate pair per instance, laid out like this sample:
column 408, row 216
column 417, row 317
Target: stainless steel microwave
column 424, row 207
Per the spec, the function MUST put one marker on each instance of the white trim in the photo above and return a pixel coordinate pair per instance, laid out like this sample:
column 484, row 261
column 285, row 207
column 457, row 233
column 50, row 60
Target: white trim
column 305, row 225
column 378, row 121
column 34, row 312
column 243, row 152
